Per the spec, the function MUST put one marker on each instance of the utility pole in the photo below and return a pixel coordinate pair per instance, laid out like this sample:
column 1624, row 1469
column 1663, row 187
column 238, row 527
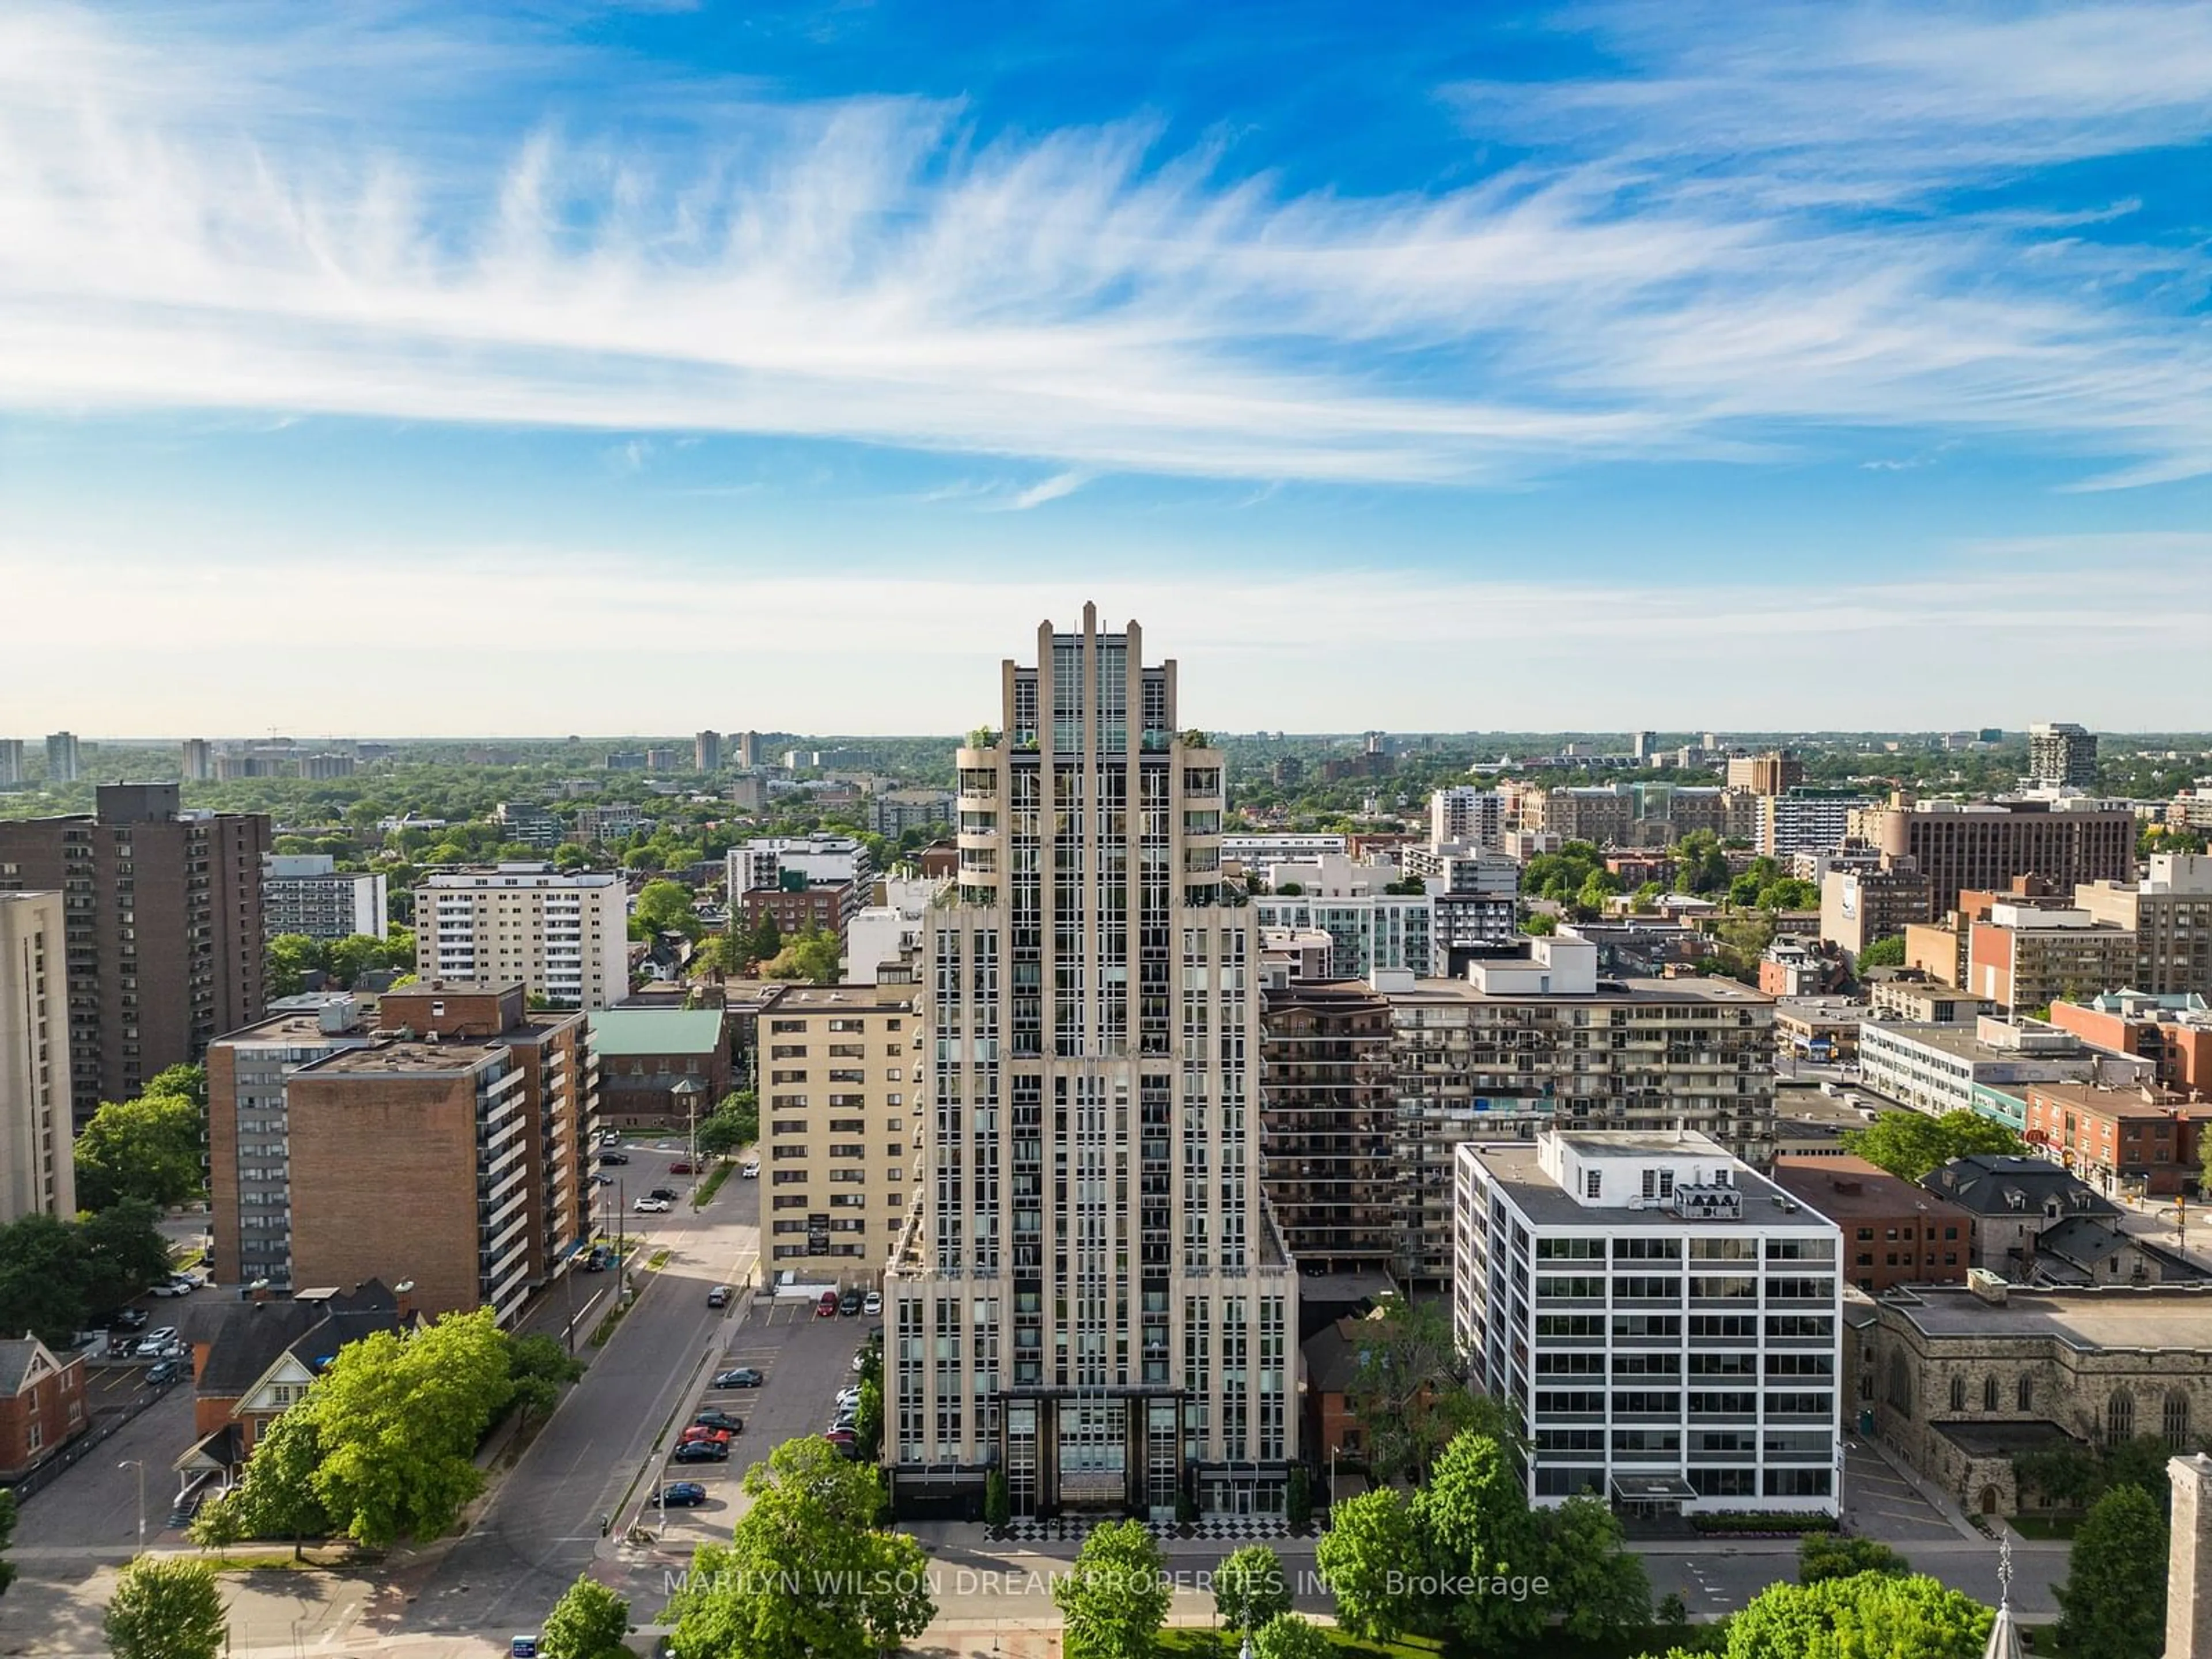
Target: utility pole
column 138, row 1464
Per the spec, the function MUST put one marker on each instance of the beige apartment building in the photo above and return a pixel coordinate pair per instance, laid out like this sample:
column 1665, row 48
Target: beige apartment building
column 2169, row 913
column 840, row 1113
column 565, row 937
column 38, row 1172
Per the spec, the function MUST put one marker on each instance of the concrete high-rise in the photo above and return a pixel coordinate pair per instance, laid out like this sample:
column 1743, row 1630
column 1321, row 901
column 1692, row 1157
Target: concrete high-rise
column 64, row 762
column 2062, row 753
column 1984, row 845
column 38, row 1174
column 565, row 937
column 307, row 893
column 1093, row 1296
column 161, row 910
column 195, row 760
column 11, row 760
column 707, row 752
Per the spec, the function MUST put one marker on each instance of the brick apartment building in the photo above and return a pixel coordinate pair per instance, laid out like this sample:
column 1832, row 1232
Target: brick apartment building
column 1986, row 844
column 2174, row 1032
column 2121, row 1141
column 448, row 1144
column 162, row 919
column 2023, row 956
column 1894, row 1232
column 1327, row 1115
column 42, row 1405
column 823, row 907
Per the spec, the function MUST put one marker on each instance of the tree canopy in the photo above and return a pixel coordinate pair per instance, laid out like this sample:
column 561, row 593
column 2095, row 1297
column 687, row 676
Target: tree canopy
column 1829, row 1555
column 1871, row 1613
column 57, row 1276
column 1409, row 1394
column 150, row 1148
column 664, row 907
column 588, row 1622
column 1886, row 952
column 1910, row 1144
column 1249, row 1588
column 166, row 1608
column 1114, row 1600
column 806, row 1573
column 2112, row 1605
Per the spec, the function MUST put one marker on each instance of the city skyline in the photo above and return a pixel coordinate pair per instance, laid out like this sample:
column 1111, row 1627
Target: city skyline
column 1541, row 363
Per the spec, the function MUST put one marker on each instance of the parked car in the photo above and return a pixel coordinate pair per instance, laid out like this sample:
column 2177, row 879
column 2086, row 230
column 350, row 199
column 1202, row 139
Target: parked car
column 165, row 1371
column 826, row 1307
column 683, row 1495
column 713, row 1418
column 668, row 1193
column 701, row 1451
column 682, row 1166
column 719, row 1297
column 699, row 1434
column 872, row 1304
column 130, row 1319
column 607, row 1158
column 651, row 1206
column 176, row 1284
column 749, row 1170
column 850, row 1304
column 151, row 1344
column 738, row 1377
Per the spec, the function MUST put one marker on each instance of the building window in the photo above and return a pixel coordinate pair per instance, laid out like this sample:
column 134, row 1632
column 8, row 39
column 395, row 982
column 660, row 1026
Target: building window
column 1990, row 1393
column 2119, row 1418
column 1958, row 1393
column 2026, row 1394
column 2175, row 1421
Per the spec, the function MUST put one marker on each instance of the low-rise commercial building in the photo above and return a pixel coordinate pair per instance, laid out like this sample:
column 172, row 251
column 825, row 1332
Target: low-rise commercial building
column 2139, row 1142
column 1663, row 1319
column 1924, row 1002
column 1894, row 1232
column 1953, row 1068
column 1823, row 1029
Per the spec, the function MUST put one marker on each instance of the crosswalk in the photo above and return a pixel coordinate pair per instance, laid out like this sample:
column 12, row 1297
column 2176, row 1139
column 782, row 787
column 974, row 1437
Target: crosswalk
column 1230, row 1529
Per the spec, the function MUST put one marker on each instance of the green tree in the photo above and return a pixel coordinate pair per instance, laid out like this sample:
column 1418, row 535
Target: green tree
column 1887, row 952
column 1599, row 1583
column 1365, row 1557
column 1700, row 864
column 734, row 1123
column 1114, row 1601
column 43, row 1279
column 1910, row 1144
column 167, row 1609
column 1286, row 1636
column 998, row 1502
column 868, row 1417
column 186, row 1081
column 361, row 953
column 842, row 1589
column 570, row 856
column 1249, row 1588
column 1822, row 1555
column 664, row 907
column 588, row 1622
column 277, row 1496
column 1540, row 923
column 148, row 1148
column 122, row 1253
column 2067, row 1474
column 536, row 1366
column 1297, row 1498
column 812, row 957
column 1409, row 1394
column 289, row 958
column 7, row 1537
column 764, row 942
column 2112, row 1605
column 1474, row 1516
column 1911, row 1618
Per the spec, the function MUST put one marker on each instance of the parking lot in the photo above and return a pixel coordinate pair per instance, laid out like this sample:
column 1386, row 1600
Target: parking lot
column 804, row 1360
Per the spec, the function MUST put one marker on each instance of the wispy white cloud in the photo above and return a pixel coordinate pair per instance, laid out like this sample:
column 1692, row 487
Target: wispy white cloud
column 1316, row 652
column 194, row 220
column 1048, row 490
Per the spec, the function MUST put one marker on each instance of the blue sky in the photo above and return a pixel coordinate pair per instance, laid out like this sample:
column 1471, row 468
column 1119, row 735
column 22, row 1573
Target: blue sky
column 547, row 367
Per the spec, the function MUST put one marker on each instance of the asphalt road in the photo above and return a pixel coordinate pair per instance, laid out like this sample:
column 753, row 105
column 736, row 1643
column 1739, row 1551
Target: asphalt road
column 541, row 1528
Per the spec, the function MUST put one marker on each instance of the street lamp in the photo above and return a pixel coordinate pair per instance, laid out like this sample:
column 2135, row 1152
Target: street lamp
column 138, row 1464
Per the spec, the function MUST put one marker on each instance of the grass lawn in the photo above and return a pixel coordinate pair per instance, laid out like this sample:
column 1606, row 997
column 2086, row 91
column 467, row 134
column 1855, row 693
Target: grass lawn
column 2043, row 1526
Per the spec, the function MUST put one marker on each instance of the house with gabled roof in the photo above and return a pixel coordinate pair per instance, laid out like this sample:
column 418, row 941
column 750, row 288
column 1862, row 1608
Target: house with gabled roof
column 253, row 1361
column 42, row 1406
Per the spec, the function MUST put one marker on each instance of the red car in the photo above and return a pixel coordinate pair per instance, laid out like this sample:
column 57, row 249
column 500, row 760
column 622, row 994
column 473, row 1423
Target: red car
column 699, row 1432
column 826, row 1307
column 682, row 1166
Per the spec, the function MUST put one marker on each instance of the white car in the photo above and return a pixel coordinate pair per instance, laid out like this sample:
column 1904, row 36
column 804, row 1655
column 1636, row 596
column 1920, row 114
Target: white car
column 873, row 1303
column 154, row 1343
column 749, row 1170
column 176, row 1284
column 651, row 1206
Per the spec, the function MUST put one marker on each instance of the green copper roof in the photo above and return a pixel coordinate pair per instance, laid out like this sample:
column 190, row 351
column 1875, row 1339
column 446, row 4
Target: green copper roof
column 617, row 1032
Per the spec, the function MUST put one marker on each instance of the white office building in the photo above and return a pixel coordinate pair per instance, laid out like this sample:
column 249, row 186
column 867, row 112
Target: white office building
column 565, row 937
column 1666, row 1321
column 1257, row 851
column 1474, row 817
column 306, row 893
column 1093, row 1296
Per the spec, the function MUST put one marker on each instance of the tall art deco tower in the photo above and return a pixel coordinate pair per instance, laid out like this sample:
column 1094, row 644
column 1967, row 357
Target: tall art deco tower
column 1091, row 1296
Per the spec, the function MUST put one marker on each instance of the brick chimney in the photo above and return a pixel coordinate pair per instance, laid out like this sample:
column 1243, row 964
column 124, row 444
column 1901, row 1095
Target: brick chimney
column 2189, row 1560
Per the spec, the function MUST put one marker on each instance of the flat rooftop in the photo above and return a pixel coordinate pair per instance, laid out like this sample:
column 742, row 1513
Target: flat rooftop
column 1658, row 992
column 1959, row 1041
column 403, row 1058
column 1821, row 1182
column 1513, row 1166
column 296, row 1027
column 2164, row 1317
column 829, row 999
